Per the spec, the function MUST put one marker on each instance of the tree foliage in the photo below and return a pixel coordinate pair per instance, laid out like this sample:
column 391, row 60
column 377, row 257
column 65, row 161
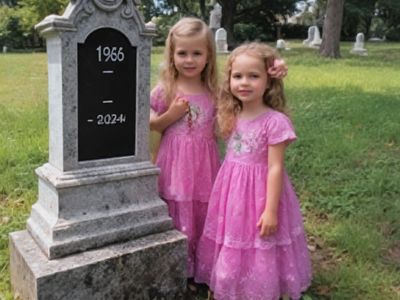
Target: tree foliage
column 389, row 11
column 9, row 3
column 18, row 19
column 10, row 29
column 243, row 19
column 357, row 17
column 39, row 9
column 372, row 17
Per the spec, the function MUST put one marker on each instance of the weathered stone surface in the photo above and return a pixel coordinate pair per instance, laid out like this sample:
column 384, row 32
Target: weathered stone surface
column 93, row 207
column 146, row 268
column 98, row 229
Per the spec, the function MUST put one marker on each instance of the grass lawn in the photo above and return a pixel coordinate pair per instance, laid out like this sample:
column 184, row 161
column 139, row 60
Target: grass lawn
column 345, row 165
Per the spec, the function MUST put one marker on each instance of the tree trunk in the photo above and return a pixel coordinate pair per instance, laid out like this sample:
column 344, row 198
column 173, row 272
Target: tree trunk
column 203, row 12
column 368, row 23
column 330, row 46
column 228, row 13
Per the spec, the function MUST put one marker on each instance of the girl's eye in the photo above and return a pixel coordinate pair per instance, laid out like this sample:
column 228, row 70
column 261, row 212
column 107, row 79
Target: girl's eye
column 236, row 76
column 254, row 76
column 198, row 53
column 181, row 53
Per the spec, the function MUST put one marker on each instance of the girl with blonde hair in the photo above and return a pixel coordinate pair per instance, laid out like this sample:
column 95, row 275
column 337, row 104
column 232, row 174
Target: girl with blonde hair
column 253, row 245
column 183, row 111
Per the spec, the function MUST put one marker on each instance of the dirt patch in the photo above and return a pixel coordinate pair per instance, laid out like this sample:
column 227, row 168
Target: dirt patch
column 393, row 254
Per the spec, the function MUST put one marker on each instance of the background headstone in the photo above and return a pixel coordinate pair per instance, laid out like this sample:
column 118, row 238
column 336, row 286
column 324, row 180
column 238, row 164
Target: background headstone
column 98, row 229
column 376, row 39
column 316, row 41
column 358, row 47
column 310, row 35
column 281, row 45
column 221, row 41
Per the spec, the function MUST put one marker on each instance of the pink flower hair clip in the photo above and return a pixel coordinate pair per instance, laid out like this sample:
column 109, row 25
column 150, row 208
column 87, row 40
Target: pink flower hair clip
column 279, row 69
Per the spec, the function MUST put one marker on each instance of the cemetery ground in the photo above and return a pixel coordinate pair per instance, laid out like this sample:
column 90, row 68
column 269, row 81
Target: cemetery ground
column 345, row 164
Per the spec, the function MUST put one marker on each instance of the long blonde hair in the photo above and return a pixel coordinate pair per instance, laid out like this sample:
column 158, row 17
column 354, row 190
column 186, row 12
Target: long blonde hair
column 185, row 28
column 229, row 106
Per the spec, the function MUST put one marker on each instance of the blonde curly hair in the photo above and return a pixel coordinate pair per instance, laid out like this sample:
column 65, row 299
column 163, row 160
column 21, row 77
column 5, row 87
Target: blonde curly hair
column 186, row 28
column 229, row 106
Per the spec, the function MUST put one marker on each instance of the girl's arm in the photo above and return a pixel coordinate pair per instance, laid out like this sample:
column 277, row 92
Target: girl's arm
column 268, row 221
column 177, row 109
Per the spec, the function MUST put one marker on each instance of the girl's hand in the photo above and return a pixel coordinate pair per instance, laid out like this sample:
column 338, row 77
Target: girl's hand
column 178, row 108
column 278, row 70
column 268, row 223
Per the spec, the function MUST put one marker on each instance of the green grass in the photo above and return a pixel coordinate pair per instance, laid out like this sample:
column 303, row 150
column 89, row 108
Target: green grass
column 345, row 164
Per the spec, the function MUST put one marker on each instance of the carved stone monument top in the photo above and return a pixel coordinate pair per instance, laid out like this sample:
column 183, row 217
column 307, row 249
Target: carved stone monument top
column 107, row 135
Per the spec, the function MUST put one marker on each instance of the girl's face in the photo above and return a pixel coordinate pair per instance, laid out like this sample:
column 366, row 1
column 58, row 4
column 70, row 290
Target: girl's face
column 248, row 80
column 190, row 56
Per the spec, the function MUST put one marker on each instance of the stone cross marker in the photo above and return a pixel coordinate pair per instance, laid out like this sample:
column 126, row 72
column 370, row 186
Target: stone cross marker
column 98, row 229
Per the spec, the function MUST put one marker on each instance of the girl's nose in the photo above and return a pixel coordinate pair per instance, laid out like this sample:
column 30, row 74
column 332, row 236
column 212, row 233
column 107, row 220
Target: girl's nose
column 244, row 80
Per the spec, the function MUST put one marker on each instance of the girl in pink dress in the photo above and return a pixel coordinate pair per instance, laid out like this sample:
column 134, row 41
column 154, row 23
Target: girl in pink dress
column 183, row 111
column 253, row 246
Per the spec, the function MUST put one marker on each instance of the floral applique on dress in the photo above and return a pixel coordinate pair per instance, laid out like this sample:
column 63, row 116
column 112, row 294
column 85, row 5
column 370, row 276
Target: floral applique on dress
column 193, row 116
column 246, row 142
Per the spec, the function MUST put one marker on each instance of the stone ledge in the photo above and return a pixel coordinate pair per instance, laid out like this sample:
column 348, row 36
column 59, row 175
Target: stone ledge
column 152, row 267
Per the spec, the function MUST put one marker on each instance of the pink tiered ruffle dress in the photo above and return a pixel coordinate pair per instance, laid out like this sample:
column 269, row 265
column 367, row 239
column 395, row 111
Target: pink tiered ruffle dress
column 232, row 258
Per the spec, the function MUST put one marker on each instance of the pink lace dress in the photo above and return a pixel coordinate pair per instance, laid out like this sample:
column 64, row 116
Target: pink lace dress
column 189, row 161
column 232, row 258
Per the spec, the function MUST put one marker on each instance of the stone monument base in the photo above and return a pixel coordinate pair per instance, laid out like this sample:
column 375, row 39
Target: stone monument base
column 151, row 267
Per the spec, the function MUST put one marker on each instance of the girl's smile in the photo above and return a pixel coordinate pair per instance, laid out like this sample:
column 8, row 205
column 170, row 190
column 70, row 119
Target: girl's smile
column 244, row 93
column 190, row 56
column 248, row 80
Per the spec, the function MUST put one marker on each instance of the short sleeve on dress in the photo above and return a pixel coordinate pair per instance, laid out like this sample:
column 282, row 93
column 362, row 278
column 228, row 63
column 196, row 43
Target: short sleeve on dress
column 157, row 101
column 280, row 129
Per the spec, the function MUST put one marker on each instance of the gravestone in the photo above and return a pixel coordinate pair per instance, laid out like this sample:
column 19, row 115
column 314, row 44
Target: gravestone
column 310, row 35
column 221, row 41
column 358, row 47
column 316, row 41
column 98, row 229
column 215, row 18
column 5, row 49
column 376, row 39
column 281, row 45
